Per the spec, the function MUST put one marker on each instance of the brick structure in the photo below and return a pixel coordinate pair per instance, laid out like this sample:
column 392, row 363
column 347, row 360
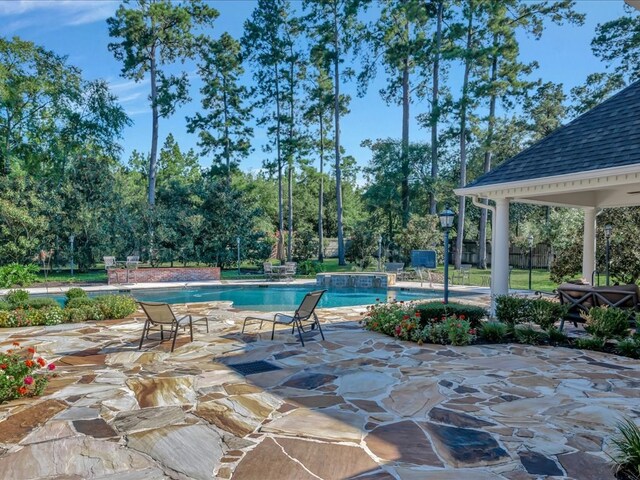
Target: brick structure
column 152, row 275
column 358, row 280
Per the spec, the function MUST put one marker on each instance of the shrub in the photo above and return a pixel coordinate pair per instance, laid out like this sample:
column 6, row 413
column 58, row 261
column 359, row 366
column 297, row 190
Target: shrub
column 384, row 317
column 116, row 306
column 596, row 344
column 76, row 302
column 305, row 244
column 310, row 267
column 627, row 444
column 493, row 332
column 83, row 313
column 42, row 302
column 607, row 322
column 456, row 331
column 17, row 298
column 15, row 274
column 74, row 293
column 510, row 309
column 436, row 310
column 557, row 337
column 528, row 335
column 22, row 373
column 21, row 317
column 4, row 305
column 544, row 312
column 628, row 347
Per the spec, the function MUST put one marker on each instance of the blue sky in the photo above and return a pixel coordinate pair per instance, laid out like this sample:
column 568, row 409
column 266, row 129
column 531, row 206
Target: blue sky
column 77, row 28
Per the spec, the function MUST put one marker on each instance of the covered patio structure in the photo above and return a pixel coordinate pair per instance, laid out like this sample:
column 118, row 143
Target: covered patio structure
column 591, row 163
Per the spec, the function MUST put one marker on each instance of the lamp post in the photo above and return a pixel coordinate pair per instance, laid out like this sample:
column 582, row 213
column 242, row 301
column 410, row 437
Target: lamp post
column 530, row 239
column 379, row 253
column 607, row 235
column 446, row 222
column 72, row 238
column 238, row 242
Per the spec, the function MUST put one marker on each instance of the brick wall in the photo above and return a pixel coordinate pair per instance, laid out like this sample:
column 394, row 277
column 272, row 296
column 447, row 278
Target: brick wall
column 150, row 275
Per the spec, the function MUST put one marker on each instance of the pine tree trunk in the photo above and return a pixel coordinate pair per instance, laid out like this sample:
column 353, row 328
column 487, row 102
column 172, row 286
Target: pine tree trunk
column 488, row 154
column 463, row 140
column 435, row 114
column 154, row 130
column 279, row 160
column 405, row 137
column 336, row 114
column 290, row 158
column 321, row 193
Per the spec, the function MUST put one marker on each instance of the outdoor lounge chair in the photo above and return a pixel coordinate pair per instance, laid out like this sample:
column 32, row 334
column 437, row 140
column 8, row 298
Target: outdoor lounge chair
column 160, row 315
column 581, row 298
column 305, row 313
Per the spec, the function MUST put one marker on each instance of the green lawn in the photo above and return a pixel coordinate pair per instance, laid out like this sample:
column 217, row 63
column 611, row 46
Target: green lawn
column 519, row 278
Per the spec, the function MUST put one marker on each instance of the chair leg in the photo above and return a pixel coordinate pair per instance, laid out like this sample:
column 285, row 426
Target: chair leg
column 206, row 319
column 174, row 330
column 273, row 330
column 162, row 334
column 317, row 322
column 191, row 328
column 144, row 330
column 297, row 324
column 561, row 324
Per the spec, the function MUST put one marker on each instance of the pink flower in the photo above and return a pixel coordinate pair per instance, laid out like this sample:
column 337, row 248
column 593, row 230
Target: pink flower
column 28, row 380
column 51, row 366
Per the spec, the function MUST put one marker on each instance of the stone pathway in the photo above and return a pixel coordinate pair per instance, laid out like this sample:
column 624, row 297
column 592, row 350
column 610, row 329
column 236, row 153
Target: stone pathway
column 358, row 405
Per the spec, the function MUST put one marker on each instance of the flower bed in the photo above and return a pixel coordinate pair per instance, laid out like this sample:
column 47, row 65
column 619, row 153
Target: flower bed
column 23, row 373
column 18, row 310
column 453, row 324
column 519, row 320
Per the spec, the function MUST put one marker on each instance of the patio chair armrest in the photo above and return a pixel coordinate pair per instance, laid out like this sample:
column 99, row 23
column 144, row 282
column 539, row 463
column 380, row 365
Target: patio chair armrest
column 184, row 319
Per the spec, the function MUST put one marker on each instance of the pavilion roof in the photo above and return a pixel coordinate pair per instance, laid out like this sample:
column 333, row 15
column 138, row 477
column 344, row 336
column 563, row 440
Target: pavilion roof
column 605, row 137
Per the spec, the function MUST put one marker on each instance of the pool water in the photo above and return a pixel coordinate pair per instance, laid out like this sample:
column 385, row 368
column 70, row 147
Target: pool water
column 276, row 298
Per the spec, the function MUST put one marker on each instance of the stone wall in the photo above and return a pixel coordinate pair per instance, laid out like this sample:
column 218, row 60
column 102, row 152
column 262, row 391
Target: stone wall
column 151, row 275
column 357, row 280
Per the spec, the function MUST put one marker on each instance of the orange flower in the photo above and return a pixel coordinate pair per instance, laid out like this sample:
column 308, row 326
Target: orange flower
column 41, row 362
column 15, row 344
column 22, row 390
column 31, row 350
column 29, row 363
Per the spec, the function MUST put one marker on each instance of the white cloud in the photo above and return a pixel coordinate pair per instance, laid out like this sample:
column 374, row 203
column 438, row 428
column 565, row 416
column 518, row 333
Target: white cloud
column 55, row 13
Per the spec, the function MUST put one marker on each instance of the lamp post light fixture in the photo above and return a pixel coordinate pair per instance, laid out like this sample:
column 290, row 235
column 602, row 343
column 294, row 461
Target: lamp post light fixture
column 238, row 242
column 607, row 235
column 72, row 239
column 530, row 239
column 446, row 222
column 379, row 253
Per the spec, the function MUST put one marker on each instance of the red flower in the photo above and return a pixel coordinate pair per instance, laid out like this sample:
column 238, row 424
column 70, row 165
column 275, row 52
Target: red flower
column 22, row 390
column 472, row 331
column 9, row 352
column 462, row 317
column 405, row 317
column 3, row 366
column 417, row 314
column 29, row 363
column 31, row 350
column 41, row 362
column 51, row 366
column 398, row 330
column 28, row 380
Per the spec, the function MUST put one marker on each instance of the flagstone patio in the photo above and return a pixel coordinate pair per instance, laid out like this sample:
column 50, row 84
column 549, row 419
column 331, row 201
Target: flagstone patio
column 358, row 405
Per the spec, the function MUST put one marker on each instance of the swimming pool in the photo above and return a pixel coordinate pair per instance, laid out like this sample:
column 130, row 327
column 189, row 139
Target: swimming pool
column 273, row 298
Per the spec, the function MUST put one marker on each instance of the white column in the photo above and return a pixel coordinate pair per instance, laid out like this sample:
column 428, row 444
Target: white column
column 500, row 251
column 589, row 243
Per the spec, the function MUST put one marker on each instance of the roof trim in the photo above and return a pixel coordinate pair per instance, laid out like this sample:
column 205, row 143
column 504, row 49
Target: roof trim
column 569, row 177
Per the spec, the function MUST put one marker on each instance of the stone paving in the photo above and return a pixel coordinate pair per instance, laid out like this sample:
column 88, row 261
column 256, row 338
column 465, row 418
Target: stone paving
column 358, row 405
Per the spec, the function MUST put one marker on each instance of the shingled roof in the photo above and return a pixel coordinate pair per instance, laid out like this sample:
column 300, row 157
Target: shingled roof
column 606, row 136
